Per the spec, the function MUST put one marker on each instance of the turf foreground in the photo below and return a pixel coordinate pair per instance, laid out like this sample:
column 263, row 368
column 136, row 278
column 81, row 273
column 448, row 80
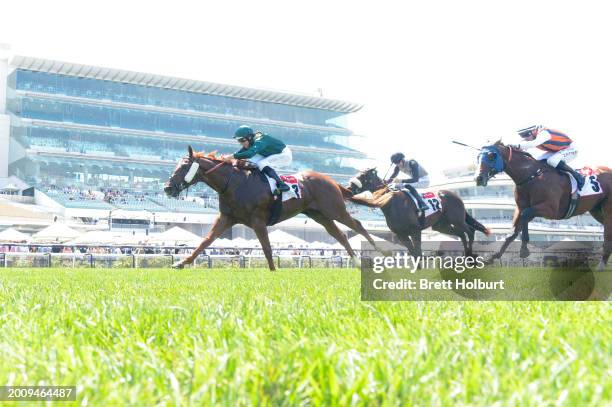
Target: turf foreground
column 293, row 337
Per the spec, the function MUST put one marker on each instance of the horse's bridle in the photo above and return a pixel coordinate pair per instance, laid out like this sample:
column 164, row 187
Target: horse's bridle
column 529, row 178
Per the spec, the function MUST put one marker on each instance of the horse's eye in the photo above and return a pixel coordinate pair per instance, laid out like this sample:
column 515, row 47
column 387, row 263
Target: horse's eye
column 491, row 156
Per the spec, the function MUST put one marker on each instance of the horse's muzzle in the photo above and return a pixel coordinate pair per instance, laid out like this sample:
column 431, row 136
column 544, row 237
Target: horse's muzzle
column 171, row 190
column 481, row 180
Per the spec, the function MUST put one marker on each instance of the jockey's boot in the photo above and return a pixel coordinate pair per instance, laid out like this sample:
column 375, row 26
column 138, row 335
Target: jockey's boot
column 280, row 184
column 578, row 176
column 422, row 206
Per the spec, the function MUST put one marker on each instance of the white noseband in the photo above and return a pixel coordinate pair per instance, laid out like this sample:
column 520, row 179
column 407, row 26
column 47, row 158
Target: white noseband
column 356, row 182
column 195, row 166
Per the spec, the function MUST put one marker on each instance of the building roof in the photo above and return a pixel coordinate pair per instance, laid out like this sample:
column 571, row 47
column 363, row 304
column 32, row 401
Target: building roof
column 189, row 85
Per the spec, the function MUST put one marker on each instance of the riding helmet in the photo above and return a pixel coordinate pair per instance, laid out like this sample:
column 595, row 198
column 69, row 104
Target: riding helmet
column 529, row 131
column 397, row 157
column 244, row 132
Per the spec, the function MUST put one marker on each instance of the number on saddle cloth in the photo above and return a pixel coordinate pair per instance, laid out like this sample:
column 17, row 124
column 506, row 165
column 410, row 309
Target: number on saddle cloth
column 431, row 199
column 591, row 185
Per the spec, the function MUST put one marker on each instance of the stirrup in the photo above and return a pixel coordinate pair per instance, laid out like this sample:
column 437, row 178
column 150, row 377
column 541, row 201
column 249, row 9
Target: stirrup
column 580, row 181
column 281, row 187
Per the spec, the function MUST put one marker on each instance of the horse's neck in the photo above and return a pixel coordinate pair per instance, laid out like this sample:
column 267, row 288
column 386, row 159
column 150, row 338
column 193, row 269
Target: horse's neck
column 218, row 179
column 522, row 167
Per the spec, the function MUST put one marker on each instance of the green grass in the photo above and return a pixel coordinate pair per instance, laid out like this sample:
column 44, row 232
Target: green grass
column 233, row 337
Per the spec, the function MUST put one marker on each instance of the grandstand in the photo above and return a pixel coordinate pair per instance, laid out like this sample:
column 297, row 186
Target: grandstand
column 93, row 140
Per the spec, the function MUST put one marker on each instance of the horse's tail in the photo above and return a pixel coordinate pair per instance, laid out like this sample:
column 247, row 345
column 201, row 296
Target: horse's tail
column 348, row 195
column 476, row 225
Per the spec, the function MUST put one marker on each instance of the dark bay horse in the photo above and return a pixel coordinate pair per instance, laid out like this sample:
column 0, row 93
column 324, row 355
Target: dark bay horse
column 401, row 213
column 245, row 198
column 542, row 191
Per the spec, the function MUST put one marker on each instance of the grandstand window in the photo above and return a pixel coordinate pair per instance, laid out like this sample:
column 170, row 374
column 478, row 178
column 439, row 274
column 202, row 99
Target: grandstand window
column 130, row 93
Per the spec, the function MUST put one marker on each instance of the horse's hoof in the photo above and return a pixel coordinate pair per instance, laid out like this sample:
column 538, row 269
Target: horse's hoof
column 524, row 253
column 492, row 259
column 178, row 265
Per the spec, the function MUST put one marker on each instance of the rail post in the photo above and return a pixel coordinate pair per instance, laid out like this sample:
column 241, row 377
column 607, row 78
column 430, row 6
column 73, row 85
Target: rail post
column 133, row 260
column 207, row 259
column 242, row 261
column 91, row 260
column 49, row 260
column 3, row 257
column 309, row 258
column 278, row 261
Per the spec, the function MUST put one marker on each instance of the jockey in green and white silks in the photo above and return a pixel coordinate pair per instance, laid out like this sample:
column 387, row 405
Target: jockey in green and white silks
column 265, row 151
column 418, row 177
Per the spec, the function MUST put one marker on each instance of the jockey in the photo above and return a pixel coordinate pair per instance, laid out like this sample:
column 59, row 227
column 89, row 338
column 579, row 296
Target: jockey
column 558, row 148
column 418, row 177
column 265, row 152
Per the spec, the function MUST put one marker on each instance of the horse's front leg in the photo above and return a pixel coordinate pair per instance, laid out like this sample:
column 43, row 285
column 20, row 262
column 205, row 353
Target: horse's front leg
column 517, row 228
column 527, row 216
column 220, row 225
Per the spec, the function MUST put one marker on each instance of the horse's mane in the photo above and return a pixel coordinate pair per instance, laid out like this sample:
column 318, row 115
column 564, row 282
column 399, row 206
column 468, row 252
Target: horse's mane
column 211, row 155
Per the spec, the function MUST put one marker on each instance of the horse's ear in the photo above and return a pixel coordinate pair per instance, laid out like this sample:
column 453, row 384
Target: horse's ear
column 498, row 142
column 190, row 149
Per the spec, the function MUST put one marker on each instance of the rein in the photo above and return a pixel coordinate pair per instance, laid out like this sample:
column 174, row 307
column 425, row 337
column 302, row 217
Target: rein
column 215, row 168
column 531, row 177
column 227, row 181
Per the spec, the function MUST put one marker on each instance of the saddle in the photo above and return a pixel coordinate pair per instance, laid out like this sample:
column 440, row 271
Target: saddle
column 591, row 187
column 277, row 206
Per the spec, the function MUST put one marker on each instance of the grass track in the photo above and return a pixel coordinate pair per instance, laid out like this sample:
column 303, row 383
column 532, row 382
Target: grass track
column 294, row 337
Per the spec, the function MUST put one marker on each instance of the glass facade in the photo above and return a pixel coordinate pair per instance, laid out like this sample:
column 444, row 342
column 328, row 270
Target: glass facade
column 68, row 130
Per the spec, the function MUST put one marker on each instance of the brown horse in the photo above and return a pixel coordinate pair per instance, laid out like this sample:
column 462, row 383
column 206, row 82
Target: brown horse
column 542, row 191
column 245, row 198
column 401, row 213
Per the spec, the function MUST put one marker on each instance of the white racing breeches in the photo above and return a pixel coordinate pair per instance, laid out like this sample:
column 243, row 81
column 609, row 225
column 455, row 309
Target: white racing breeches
column 554, row 157
column 283, row 159
column 423, row 182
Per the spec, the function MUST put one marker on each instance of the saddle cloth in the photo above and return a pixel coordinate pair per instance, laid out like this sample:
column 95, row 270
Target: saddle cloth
column 591, row 183
column 293, row 181
column 432, row 200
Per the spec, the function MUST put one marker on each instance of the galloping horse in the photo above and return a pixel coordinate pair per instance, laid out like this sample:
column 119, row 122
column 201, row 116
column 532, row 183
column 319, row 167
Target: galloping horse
column 542, row 191
column 401, row 213
column 245, row 198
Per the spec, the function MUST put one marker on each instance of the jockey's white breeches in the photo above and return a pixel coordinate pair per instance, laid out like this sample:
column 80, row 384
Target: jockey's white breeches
column 283, row 159
column 554, row 157
column 423, row 182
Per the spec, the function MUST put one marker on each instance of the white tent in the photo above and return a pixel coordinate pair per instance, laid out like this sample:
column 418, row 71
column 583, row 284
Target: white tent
column 319, row 245
column 282, row 238
column 55, row 233
column 240, row 242
column 109, row 237
column 356, row 241
column 11, row 235
column 176, row 236
column 222, row 243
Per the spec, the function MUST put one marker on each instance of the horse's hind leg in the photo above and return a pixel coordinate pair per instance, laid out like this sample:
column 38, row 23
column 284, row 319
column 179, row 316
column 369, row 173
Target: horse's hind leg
column 332, row 229
column 356, row 226
column 262, row 235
